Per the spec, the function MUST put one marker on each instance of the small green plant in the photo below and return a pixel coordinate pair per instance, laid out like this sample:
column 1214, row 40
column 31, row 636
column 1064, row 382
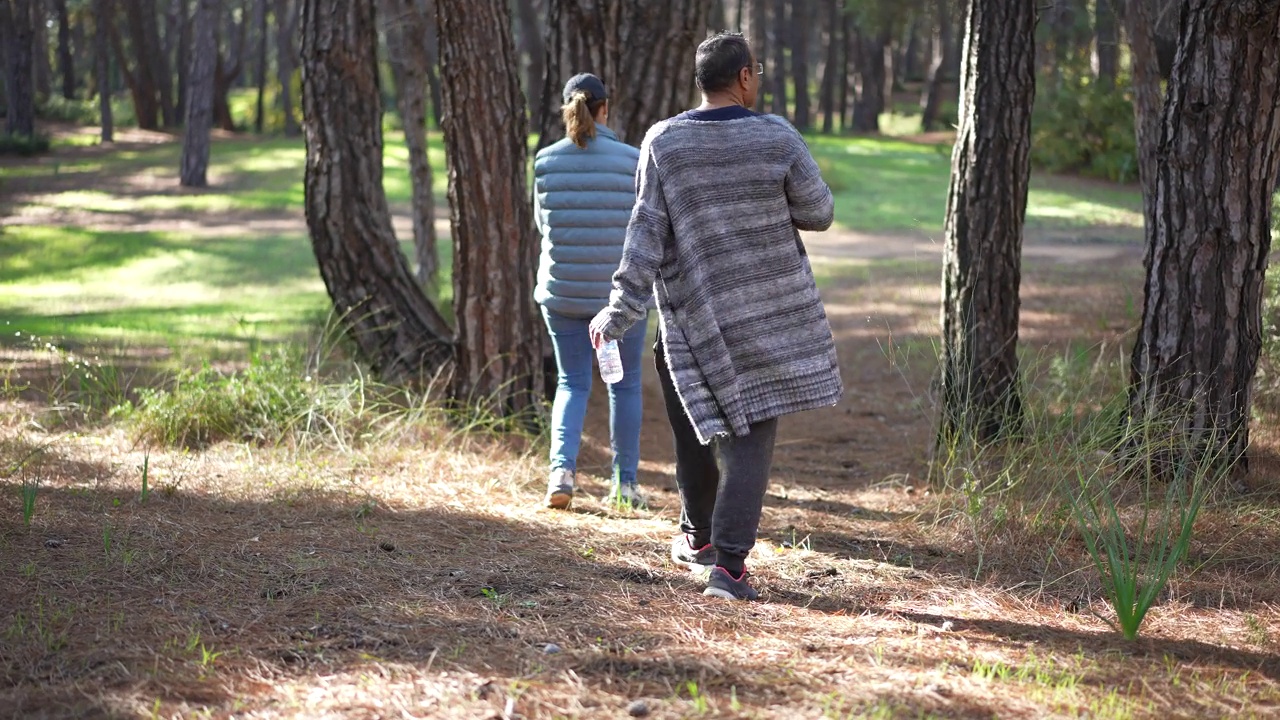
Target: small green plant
column 106, row 539
column 146, row 490
column 699, row 700
column 1135, row 569
column 23, row 145
column 30, row 488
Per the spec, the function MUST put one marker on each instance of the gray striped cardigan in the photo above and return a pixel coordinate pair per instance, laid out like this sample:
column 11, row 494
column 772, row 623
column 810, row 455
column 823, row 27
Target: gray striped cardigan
column 714, row 235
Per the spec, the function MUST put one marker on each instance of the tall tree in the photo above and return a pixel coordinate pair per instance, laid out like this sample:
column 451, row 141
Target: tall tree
column 286, row 25
column 1140, row 29
column 260, row 73
column 1106, row 42
column 141, row 78
column 381, row 306
column 66, row 59
column 758, row 37
column 159, row 62
column 40, row 55
column 195, row 139
column 832, row 68
column 931, row 98
column 584, row 35
column 986, row 206
column 875, row 75
column 801, row 19
column 103, row 16
column 179, row 19
column 406, row 24
column 532, row 47
column 498, row 356
column 19, row 37
column 227, row 67
column 777, row 74
column 433, row 61
column 1217, row 165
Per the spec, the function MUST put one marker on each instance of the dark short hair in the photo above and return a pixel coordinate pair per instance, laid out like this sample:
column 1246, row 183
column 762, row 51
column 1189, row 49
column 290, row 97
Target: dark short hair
column 720, row 58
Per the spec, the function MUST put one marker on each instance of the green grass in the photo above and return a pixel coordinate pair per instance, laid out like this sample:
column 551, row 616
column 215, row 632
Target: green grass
column 223, row 285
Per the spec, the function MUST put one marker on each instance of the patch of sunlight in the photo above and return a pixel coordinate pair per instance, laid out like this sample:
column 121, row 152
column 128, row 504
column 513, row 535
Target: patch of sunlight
column 50, row 169
column 272, row 160
column 1052, row 206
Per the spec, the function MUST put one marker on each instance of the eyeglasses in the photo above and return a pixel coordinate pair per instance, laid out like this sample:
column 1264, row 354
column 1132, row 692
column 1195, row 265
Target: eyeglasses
column 759, row 68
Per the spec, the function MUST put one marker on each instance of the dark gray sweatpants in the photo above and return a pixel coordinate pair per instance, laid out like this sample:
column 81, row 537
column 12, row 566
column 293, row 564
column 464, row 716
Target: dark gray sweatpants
column 721, row 485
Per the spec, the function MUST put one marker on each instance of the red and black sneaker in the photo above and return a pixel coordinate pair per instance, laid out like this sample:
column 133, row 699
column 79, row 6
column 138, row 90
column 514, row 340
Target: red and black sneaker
column 698, row 559
column 721, row 584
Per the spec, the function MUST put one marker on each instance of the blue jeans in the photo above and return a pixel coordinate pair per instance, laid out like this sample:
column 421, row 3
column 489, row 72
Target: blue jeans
column 574, row 357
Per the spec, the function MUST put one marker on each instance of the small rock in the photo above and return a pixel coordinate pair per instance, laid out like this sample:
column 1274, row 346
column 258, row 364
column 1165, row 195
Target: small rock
column 638, row 708
column 551, row 648
column 53, row 543
column 389, row 547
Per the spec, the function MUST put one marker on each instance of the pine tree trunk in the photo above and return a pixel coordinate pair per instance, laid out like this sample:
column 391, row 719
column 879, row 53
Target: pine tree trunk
column 1140, row 29
column 986, row 205
column 20, row 111
column 931, row 98
column 1217, row 164
column 801, row 18
column 141, row 82
column 532, row 47
column 40, row 51
column 404, row 27
column 778, row 73
column 873, row 74
column 1106, row 44
column 286, row 24
column 381, row 306
column 66, row 62
column 103, row 14
column 260, row 76
column 158, row 63
column 587, row 34
column 199, row 122
column 227, row 71
column 182, row 18
column 433, row 61
column 499, row 339
column 833, row 67
column 848, row 90
column 759, row 13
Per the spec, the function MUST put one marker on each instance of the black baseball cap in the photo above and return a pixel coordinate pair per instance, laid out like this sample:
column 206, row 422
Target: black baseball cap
column 585, row 82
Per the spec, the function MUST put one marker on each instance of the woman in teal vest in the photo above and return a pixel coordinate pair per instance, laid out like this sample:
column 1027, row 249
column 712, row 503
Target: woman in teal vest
column 585, row 190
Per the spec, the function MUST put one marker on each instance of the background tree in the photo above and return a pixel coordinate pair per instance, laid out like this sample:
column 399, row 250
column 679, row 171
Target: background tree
column 986, row 205
column 286, row 25
column 1106, row 41
column 195, row 139
column 66, row 60
column 406, row 27
column 498, row 355
column 1217, row 165
column 378, row 301
column 228, row 66
column 103, row 12
column 801, row 18
column 260, row 71
column 584, row 35
column 19, row 41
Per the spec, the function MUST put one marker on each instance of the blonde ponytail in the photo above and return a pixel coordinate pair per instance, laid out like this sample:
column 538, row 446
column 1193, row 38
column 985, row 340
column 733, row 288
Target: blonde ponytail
column 579, row 120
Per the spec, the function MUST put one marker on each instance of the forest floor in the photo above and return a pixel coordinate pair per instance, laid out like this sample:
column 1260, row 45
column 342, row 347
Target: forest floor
column 417, row 576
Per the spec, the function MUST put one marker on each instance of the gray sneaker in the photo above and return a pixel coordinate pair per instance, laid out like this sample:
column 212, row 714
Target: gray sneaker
column 627, row 495
column 721, row 584
column 560, row 489
column 698, row 560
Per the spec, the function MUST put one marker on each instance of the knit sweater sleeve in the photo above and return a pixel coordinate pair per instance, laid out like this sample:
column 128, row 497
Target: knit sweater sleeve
column 812, row 207
column 648, row 234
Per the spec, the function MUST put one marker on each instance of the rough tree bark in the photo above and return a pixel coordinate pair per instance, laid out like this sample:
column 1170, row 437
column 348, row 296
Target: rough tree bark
column 380, row 305
column 405, row 26
column 986, row 206
column 103, row 13
column 801, row 18
column 286, row 24
column 66, row 61
column 589, row 36
column 20, row 111
column 832, row 70
column 1217, row 165
column 199, row 122
column 498, row 356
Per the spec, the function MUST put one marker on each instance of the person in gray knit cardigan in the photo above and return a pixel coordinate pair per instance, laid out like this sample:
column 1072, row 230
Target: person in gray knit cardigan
column 744, row 338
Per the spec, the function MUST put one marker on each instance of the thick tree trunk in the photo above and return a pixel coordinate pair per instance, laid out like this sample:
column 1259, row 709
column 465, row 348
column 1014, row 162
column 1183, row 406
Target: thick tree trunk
column 587, row 34
column 498, row 356
column 759, row 39
column 931, row 98
column 199, row 122
column 103, row 15
column 532, row 47
column 778, row 73
column 986, row 206
column 1218, row 161
column 260, row 75
column 20, row 110
column 801, row 18
column 1106, row 42
column 66, row 61
column 405, row 26
column 833, row 68
column 1140, row 29
column 873, row 74
column 286, row 24
column 374, row 294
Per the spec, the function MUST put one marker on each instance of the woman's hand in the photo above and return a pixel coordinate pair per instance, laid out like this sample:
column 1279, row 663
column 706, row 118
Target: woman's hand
column 595, row 330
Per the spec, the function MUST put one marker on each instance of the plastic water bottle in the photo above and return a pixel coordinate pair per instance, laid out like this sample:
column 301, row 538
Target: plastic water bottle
column 610, row 362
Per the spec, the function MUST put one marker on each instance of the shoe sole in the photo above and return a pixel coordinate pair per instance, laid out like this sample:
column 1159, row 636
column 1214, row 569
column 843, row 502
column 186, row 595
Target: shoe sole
column 559, row 501
column 723, row 594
